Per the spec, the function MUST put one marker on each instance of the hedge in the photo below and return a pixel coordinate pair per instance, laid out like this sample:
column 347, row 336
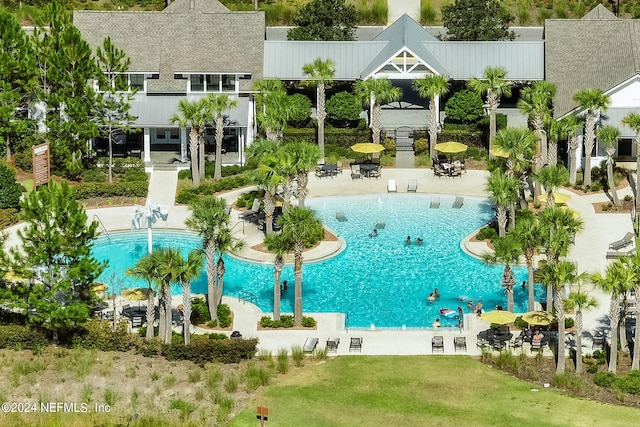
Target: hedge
column 8, row 217
column 188, row 194
column 20, row 337
column 204, row 350
column 120, row 165
column 126, row 189
column 340, row 137
column 97, row 334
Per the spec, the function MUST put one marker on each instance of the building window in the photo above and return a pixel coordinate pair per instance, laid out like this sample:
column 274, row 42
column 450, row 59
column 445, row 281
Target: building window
column 213, row 83
column 228, row 83
column 197, row 83
column 127, row 81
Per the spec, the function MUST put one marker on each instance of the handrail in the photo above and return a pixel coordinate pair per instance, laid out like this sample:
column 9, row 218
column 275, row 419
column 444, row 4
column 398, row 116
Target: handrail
column 346, row 322
column 246, row 296
column 104, row 229
column 234, row 226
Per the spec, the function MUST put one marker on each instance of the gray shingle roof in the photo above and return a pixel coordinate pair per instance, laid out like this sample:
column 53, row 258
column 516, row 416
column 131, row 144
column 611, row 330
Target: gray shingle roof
column 206, row 6
column 589, row 53
column 170, row 43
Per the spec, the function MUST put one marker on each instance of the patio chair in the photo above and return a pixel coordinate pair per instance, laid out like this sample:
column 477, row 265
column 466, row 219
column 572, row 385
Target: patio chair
column 255, row 208
column 460, row 343
column 376, row 173
column 457, row 204
column 627, row 240
column 126, row 310
column 310, row 345
column 536, row 346
column 332, row 345
column 355, row 344
column 437, row 344
column 136, row 321
column 617, row 254
column 435, row 202
column 391, row 186
column 340, row 216
column 517, row 341
column 412, row 185
column 598, row 343
column 355, row 172
column 437, row 171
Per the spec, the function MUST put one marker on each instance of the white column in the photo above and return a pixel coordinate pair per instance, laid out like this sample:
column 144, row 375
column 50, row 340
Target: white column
column 146, row 140
column 183, row 145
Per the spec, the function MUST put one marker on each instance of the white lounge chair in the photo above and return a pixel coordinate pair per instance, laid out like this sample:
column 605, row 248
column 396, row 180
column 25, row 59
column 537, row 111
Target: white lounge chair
column 627, row 240
column 435, row 202
column 391, row 186
column 412, row 185
column 310, row 345
column 340, row 216
column 458, row 202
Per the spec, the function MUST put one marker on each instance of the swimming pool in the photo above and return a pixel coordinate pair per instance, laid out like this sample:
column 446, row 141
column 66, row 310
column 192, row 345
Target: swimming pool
column 378, row 281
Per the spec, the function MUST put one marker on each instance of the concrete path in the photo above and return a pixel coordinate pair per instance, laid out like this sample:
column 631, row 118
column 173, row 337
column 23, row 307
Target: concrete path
column 162, row 187
column 397, row 8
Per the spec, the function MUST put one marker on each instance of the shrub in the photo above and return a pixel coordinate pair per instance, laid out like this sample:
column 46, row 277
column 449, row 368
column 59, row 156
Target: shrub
column 217, row 336
column 420, row 146
column 389, row 146
column 204, row 350
column 187, row 194
column 120, row 165
column 22, row 337
column 569, row 382
column 592, row 368
column 343, row 110
column 184, row 174
column 199, row 311
column 299, row 110
column 341, row 137
column 569, row 322
column 629, row 383
column 8, row 217
column 465, row 106
column 487, row 233
column 97, row 334
column 134, row 175
column 604, row 379
column 246, row 199
column 600, row 356
column 308, row 322
column 519, row 323
column 126, row 189
column 93, row 175
column 10, row 190
column 286, row 321
column 224, row 315
column 428, row 13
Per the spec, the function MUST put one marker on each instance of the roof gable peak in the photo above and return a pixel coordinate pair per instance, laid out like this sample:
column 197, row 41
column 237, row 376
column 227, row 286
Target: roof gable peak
column 599, row 13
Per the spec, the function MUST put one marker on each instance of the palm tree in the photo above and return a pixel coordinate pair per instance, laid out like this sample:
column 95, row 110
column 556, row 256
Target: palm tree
column 208, row 219
column 432, row 86
column 216, row 106
column 275, row 243
column 609, row 136
column 527, row 234
column 571, row 125
column 556, row 131
column 504, row 193
column 552, row 177
column 559, row 275
column 558, row 228
column 305, row 155
column 259, row 150
column 617, row 279
column 145, row 269
column 506, row 251
column 635, row 265
column 300, row 229
column 579, row 302
column 320, row 73
column 188, row 269
column 272, row 104
column 167, row 261
column 633, row 121
column 191, row 114
column 267, row 178
column 519, row 144
column 494, row 85
column 225, row 244
column 373, row 93
column 593, row 102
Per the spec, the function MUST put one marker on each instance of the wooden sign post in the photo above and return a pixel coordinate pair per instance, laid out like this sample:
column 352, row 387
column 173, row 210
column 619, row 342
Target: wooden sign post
column 263, row 413
column 41, row 164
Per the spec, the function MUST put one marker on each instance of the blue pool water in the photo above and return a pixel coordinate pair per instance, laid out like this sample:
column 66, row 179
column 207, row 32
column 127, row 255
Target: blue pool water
column 378, row 281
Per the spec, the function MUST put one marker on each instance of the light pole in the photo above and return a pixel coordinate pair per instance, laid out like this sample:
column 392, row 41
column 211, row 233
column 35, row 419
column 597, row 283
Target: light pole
column 153, row 212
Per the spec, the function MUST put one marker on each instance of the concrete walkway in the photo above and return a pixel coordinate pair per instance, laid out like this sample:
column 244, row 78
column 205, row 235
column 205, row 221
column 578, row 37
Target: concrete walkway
column 397, row 8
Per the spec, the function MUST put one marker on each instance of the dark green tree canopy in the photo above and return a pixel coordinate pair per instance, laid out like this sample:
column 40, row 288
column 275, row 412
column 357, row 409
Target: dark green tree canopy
column 342, row 108
column 330, row 20
column 10, row 190
column 477, row 20
column 299, row 110
column 464, row 107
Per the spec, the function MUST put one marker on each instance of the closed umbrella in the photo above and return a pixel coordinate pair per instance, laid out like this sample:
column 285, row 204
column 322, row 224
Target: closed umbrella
column 451, row 147
column 499, row 317
column 541, row 318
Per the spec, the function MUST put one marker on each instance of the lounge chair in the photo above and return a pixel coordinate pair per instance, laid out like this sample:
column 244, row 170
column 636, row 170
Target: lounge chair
column 355, row 344
column 460, row 343
column 617, row 254
column 391, row 186
column 255, row 208
column 435, row 202
column 412, row 185
column 310, row 345
column 437, row 344
column 355, row 172
column 332, row 345
column 458, row 202
column 627, row 240
column 380, row 225
column 340, row 216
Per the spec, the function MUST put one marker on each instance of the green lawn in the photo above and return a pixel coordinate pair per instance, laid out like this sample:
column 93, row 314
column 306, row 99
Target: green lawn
column 419, row 391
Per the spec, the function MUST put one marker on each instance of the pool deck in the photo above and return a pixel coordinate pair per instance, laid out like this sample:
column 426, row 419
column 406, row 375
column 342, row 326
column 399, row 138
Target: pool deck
column 589, row 252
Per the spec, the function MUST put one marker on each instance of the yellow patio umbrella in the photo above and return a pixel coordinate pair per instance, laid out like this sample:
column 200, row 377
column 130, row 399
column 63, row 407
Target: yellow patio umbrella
column 541, row 318
column 136, row 294
column 367, row 148
column 499, row 317
column 573, row 212
column 558, row 197
column 451, row 147
column 499, row 152
column 99, row 287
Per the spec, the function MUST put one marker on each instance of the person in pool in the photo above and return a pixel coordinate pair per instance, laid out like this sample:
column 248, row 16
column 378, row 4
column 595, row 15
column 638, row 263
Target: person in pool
column 408, row 240
column 432, row 297
column 419, row 241
column 436, row 293
column 374, row 233
column 436, row 323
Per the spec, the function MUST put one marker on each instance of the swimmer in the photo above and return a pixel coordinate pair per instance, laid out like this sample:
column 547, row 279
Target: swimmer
column 374, row 233
column 419, row 241
column 470, row 305
column 436, row 323
column 408, row 240
column 436, row 293
column 432, row 297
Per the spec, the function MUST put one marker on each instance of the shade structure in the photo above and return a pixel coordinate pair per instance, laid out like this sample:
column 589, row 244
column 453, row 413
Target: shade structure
column 558, row 197
column 541, row 318
column 451, row 147
column 499, row 152
column 499, row 317
column 367, row 148
column 136, row 294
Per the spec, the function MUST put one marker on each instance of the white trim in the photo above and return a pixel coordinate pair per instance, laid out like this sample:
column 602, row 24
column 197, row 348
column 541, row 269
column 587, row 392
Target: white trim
column 406, row 74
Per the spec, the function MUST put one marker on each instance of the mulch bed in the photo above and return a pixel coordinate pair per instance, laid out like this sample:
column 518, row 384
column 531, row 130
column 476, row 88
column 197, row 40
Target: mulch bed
column 328, row 236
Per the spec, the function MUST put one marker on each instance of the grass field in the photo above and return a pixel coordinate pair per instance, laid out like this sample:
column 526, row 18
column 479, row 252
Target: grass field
column 420, row 391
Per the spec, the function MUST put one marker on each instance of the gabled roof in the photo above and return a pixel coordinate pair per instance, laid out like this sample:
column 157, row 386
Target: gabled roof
column 404, row 34
column 599, row 12
column 173, row 43
column 589, row 53
column 200, row 6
